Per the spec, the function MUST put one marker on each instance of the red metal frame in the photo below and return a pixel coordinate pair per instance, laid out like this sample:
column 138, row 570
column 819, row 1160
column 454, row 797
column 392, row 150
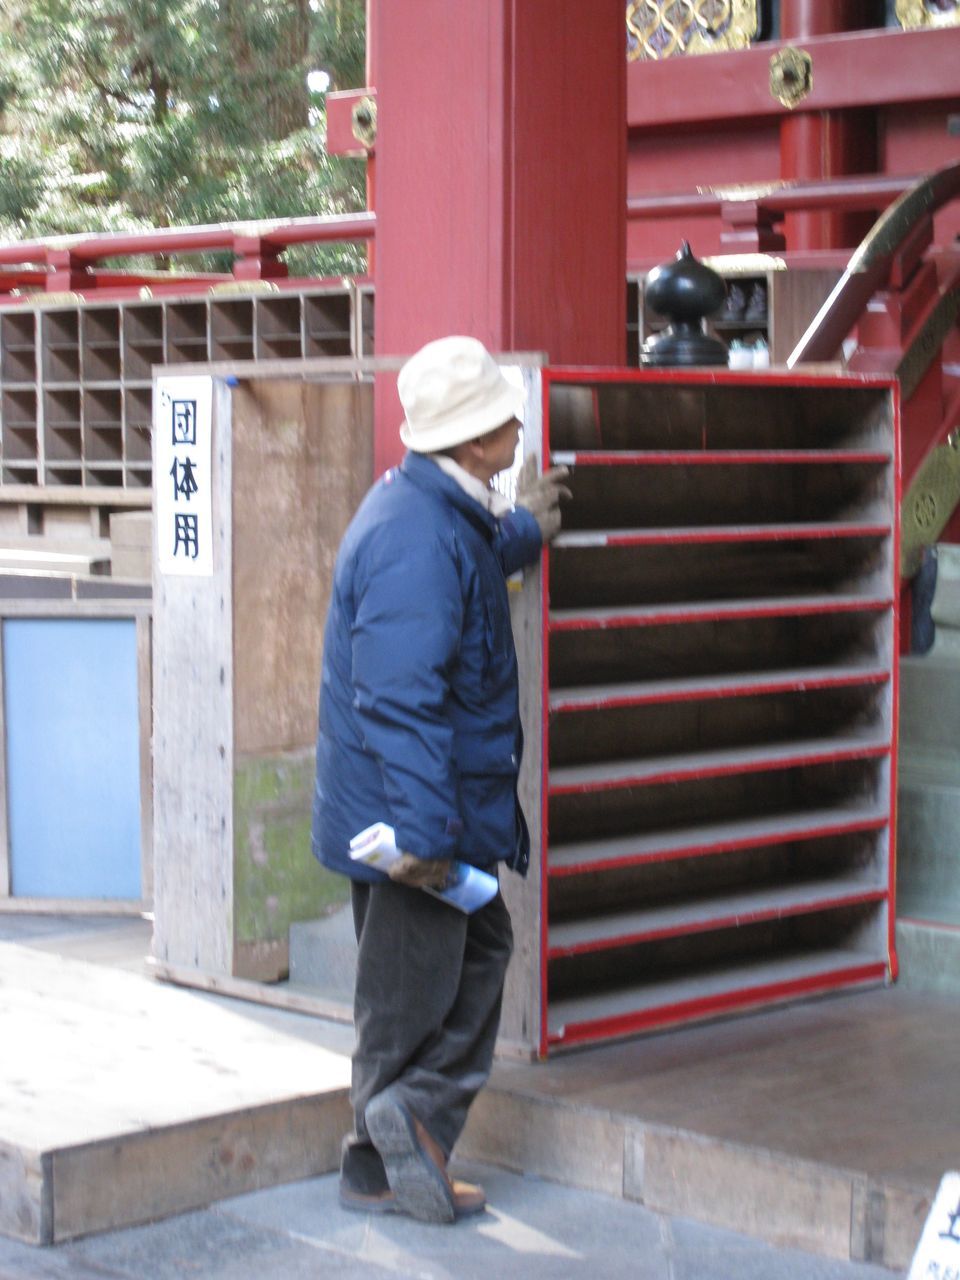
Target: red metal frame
column 545, row 455
column 843, row 977
column 895, row 692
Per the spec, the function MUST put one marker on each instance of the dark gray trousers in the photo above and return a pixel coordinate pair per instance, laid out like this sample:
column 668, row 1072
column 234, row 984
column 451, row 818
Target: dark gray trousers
column 427, row 1002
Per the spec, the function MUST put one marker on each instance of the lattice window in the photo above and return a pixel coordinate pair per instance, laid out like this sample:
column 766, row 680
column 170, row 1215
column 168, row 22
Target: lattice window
column 659, row 29
column 928, row 13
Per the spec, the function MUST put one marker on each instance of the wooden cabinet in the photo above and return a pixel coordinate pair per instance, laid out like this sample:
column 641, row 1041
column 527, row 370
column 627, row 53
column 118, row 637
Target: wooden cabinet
column 718, row 668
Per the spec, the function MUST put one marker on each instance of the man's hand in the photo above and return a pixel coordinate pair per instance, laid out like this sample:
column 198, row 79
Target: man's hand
column 419, row 873
column 541, row 495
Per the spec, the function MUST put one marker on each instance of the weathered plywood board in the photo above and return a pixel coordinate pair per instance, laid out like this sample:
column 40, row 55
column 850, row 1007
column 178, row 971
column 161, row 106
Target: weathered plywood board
column 25, row 1201
column 122, row 1100
column 237, row 676
column 302, row 461
column 153, row 1174
column 520, row 1020
column 193, row 739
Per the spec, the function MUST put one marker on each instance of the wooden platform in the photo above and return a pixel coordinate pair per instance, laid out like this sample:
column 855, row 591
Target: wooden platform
column 122, row 1100
column 826, row 1125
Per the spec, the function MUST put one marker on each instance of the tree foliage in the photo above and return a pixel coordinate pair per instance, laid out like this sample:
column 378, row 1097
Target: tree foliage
column 126, row 114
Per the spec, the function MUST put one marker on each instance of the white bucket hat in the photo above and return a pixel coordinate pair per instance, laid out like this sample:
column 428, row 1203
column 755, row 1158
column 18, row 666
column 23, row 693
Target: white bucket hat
column 452, row 390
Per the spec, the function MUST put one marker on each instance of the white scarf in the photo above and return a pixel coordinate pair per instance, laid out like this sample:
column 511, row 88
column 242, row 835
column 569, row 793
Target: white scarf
column 489, row 499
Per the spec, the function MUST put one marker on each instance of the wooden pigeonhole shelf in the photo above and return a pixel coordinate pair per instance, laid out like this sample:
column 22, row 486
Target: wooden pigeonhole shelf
column 719, row 669
column 75, row 379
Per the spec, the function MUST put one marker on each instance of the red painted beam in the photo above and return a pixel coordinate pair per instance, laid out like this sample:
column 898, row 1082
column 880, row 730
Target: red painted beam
column 282, row 232
column 862, row 69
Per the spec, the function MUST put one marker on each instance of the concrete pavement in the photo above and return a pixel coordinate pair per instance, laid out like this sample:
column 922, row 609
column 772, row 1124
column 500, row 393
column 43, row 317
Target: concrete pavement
column 533, row 1230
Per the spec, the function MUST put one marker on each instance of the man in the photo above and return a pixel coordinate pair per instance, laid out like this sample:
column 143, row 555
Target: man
column 419, row 728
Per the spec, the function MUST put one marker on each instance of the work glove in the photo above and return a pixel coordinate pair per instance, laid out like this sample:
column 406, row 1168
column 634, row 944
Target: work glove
column 541, row 495
column 419, row 873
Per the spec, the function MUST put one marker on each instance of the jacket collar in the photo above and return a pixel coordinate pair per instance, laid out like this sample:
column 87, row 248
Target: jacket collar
column 425, row 474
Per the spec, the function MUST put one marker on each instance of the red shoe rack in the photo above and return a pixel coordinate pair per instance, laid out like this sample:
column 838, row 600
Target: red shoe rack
column 719, row 666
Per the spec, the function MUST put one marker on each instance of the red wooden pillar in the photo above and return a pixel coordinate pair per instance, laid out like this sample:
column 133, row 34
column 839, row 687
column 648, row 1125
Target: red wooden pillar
column 500, row 181
column 823, row 144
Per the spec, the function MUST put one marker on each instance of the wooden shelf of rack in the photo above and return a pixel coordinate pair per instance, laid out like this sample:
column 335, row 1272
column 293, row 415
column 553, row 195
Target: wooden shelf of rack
column 75, row 380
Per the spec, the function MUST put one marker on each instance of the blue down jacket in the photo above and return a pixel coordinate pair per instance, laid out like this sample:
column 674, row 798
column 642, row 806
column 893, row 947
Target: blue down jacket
column 419, row 720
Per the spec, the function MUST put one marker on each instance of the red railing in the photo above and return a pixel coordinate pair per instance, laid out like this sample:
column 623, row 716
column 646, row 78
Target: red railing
column 775, row 199
column 68, row 262
column 65, row 262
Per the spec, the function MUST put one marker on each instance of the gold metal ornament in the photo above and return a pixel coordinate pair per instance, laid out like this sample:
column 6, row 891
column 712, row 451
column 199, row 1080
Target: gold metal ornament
column 791, row 76
column 658, row 29
column 913, row 14
column 929, row 503
column 364, row 122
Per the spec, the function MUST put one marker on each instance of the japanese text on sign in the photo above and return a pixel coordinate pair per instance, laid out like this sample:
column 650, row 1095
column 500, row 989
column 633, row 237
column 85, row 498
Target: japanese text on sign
column 938, row 1253
column 183, row 480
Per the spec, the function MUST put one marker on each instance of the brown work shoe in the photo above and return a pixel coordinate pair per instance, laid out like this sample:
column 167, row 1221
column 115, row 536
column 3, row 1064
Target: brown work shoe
column 468, row 1198
column 415, row 1164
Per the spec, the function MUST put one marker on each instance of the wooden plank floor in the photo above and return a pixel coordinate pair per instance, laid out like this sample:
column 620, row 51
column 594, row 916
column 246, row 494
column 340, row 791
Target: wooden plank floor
column 122, row 1099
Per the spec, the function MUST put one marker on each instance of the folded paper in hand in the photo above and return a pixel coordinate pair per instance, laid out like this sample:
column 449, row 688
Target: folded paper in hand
column 468, row 888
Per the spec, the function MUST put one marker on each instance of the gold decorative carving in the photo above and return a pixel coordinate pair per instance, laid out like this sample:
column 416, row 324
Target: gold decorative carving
column 364, row 121
column 912, row 14
column 244, row 288
column 743, row 190
column 52, row 299
column 791, row 76
column 744, row 264
column 658, row 29
column 929, row 503
column 918, row 357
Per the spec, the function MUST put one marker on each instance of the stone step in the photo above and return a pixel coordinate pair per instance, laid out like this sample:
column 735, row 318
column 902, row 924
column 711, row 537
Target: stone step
column 929, row 954
column 323, row 956
column 930, row 703
column 928, row 838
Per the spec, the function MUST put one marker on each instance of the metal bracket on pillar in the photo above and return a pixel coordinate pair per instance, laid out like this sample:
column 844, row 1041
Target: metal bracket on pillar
column 791, row 76
column 257, row 259
column 352, row 122
column 65, row 273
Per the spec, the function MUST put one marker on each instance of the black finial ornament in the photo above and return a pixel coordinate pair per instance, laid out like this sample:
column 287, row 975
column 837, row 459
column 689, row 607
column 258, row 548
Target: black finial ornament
column 685, row 291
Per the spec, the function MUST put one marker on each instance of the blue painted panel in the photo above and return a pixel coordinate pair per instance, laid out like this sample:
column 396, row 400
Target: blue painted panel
column 73, row 757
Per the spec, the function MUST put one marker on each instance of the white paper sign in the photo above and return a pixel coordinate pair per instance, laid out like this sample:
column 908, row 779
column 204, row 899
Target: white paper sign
column 182, row 481
column 938, row 1253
